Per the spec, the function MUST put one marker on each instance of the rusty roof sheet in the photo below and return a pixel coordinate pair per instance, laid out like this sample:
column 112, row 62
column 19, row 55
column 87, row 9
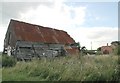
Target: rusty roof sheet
column 35, row 33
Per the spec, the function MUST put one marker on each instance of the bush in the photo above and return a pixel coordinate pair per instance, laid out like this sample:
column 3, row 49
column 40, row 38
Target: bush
column 8, row 61
column 117, row 50
column 99, row 53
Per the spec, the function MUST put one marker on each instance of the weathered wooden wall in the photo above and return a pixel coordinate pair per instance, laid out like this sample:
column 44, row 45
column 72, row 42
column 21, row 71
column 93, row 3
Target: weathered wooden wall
column 27, row 50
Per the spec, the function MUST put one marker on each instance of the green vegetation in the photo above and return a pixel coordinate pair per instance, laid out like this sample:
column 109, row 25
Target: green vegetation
column 8, row 61
column 87, row 68
column 117, row 50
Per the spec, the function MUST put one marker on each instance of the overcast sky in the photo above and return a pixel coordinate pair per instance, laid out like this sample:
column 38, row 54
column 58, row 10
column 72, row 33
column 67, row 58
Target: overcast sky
column 86, row 22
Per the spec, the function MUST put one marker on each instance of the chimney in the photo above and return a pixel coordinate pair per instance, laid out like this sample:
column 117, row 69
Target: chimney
column 107, row 44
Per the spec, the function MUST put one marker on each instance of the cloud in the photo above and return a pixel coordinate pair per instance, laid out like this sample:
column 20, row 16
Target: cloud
column 97, row 35
column 97, row 18
column 66, row 0
column 50, row 13
column 12, row 10
column 59, row 15
column 2, row 36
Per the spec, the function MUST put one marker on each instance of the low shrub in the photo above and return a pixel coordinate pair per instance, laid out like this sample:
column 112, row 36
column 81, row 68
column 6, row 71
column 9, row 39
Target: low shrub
column 117, row 51
column 8, row 61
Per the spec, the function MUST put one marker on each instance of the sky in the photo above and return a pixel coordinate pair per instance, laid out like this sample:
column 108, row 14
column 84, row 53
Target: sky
column 92, row 23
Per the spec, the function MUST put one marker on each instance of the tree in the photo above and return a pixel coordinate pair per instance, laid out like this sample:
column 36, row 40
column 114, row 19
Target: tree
column 99, row 49
column 117, row 50
column 83, row 50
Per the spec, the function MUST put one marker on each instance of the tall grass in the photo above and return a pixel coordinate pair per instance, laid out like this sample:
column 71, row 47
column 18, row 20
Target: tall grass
column 86, row 68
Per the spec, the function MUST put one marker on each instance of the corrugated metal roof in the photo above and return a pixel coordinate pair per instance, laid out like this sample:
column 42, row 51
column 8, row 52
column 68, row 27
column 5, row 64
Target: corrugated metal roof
column 35, row 33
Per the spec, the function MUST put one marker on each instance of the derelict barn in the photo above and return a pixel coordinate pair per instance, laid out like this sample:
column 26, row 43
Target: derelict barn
column 25, row 40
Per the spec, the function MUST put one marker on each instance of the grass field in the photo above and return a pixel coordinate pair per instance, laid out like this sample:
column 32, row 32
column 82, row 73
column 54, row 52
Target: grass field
column 87, row 68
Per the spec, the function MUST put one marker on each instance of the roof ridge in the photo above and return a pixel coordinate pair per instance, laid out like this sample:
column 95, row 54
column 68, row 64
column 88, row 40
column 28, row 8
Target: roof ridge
column 36, row 25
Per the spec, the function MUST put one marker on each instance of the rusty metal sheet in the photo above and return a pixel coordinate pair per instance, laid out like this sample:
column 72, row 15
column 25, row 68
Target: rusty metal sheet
column 35, row 33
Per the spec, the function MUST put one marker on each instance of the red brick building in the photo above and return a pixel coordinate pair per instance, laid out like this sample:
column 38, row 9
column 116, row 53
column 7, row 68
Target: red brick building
column 106, row 49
